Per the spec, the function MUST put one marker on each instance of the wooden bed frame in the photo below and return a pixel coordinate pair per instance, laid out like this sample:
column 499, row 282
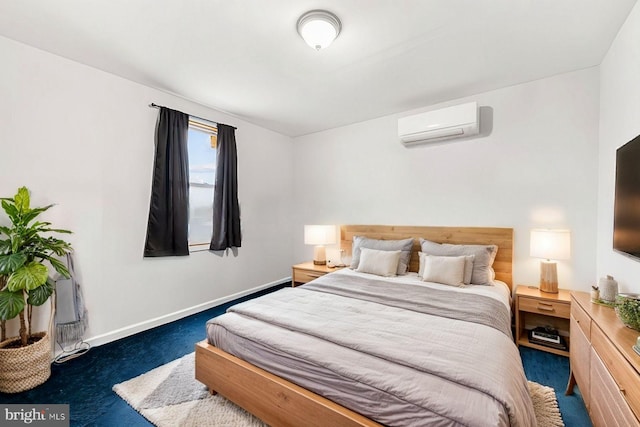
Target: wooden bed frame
column 279, row 402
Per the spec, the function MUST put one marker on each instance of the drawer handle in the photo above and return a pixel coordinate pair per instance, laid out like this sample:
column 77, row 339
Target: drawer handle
column 545, row 307
column 315, row 274
column 621, row 389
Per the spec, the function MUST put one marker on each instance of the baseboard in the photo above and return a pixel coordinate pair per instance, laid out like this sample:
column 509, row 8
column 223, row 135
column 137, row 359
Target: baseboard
column 158, row 321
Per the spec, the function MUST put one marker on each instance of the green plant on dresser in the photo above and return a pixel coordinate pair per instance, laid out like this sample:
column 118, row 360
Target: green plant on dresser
column 627, row 308
column 27, row 247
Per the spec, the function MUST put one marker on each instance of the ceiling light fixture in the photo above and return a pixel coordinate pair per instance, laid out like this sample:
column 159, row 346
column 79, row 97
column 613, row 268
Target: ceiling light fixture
column 319, row 28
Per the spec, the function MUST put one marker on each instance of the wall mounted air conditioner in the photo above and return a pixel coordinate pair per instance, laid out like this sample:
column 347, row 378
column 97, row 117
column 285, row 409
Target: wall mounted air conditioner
column 447, row 123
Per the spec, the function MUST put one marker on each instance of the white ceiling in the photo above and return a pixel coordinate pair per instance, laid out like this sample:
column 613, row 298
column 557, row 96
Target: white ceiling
column 246, row 58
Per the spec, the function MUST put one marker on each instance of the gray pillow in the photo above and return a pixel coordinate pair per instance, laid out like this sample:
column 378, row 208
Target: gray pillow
column 404, row 246
column 484, row 255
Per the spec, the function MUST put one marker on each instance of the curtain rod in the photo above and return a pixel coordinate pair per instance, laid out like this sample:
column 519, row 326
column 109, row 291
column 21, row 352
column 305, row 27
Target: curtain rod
column 152, row 105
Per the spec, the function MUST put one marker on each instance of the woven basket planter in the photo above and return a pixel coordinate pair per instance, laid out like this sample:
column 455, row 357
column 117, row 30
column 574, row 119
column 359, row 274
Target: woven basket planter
column 24, row 368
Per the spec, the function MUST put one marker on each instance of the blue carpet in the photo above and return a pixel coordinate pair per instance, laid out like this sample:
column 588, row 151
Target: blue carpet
column 553, row 371
column 85, row 383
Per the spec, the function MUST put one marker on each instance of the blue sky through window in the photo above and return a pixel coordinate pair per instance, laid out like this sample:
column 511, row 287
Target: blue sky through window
column 202, row 158
column 202, row 175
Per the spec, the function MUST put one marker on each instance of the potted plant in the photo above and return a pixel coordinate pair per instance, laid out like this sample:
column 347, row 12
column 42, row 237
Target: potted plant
column 26, row 247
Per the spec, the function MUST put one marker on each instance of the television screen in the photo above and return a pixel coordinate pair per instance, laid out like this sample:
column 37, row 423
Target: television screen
column 626, row 219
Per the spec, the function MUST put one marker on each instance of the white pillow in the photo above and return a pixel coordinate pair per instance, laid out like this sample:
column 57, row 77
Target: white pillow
column 448, row 270
column 404, row 245
column 382, row 263
column 468, row 267
column 484, row 257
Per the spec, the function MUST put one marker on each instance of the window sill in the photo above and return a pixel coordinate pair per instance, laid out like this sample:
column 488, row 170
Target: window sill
column 199, row 248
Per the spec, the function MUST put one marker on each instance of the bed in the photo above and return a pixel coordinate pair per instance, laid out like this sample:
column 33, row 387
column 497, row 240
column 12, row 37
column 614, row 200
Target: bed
column 358, row 349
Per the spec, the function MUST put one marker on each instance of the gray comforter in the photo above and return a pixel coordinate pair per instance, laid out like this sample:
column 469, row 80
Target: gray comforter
column 399, row 354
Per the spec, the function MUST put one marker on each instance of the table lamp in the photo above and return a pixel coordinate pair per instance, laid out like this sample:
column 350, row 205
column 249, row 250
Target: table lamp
column 319, row 235
column 550, row 245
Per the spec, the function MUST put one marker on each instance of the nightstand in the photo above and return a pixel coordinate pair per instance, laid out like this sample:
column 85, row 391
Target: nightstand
column 536, row 308
column 307, row 271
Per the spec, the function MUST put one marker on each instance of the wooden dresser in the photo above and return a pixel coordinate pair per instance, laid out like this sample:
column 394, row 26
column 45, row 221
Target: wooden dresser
column 603, row 364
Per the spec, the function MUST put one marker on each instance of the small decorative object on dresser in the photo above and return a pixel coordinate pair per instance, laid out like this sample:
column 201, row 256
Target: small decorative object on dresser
column 636, row 346
column 595, row 293
column 608, row 289
column 628, row 310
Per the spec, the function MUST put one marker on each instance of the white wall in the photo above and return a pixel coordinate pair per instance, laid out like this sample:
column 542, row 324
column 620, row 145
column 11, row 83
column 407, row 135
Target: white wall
column 537, row 168
column 83, row 139
column 619, row 123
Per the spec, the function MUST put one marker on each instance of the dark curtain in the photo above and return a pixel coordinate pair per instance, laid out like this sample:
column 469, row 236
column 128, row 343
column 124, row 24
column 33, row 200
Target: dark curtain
column 226, row 211
column 168, row 226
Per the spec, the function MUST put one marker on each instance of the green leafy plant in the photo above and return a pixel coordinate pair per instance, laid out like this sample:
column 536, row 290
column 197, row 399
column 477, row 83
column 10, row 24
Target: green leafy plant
column 627, row 308
column 25, row 248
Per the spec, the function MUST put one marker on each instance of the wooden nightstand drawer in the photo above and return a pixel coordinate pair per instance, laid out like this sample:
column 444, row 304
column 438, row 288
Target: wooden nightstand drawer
column 304, row 276
column 307, row 271
column 548, row 308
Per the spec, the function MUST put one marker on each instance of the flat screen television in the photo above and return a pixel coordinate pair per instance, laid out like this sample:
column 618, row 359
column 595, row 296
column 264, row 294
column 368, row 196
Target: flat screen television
column 626, row 218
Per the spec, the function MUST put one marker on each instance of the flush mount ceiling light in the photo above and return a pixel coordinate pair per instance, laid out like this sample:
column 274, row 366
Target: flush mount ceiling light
column 319, row 28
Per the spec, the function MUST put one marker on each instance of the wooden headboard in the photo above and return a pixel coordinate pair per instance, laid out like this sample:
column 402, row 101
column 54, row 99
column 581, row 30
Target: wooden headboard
column 502, row 237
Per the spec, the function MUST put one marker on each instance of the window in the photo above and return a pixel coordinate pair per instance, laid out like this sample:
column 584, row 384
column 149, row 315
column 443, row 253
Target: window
column 202, row 175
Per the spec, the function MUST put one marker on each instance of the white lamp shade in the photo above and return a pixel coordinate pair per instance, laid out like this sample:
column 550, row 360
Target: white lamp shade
column 319, row 234
column 551, row 244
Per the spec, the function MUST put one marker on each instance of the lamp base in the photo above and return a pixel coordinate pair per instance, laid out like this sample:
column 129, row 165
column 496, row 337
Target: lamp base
column 549, row 277
column 319, row 255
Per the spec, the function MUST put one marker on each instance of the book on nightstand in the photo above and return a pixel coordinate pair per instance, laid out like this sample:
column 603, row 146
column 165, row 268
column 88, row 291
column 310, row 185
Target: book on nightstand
column 547, row 337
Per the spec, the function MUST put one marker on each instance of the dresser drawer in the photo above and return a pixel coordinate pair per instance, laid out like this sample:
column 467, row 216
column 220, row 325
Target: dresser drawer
column 580, row 356
column 582, row 319
column 624, row 375
column 608, row 406
column 304, row 276
column 548, row 308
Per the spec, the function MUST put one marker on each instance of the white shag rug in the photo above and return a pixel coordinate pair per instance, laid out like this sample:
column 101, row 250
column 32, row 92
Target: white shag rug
column 545, row 405
column 170, row 396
